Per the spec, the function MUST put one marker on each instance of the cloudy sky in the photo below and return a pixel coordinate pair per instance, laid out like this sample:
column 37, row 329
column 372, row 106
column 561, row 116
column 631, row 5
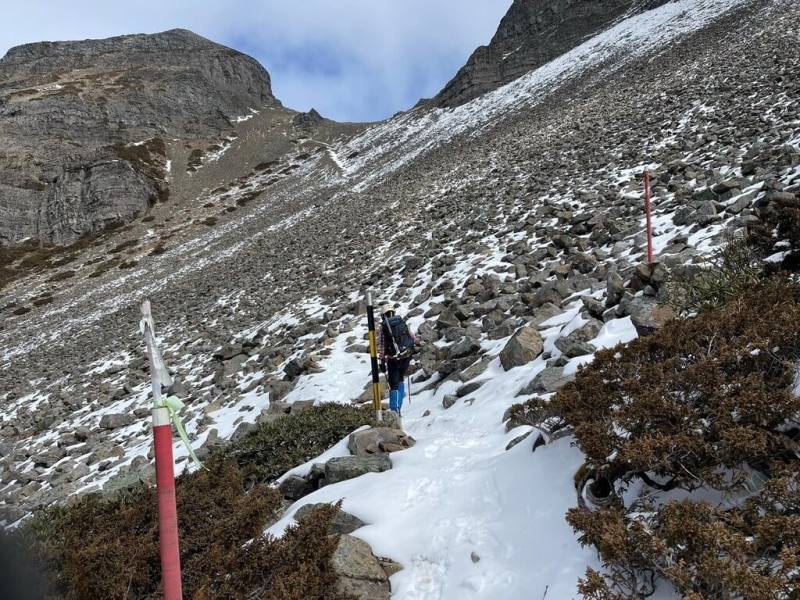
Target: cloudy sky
column 353, row 60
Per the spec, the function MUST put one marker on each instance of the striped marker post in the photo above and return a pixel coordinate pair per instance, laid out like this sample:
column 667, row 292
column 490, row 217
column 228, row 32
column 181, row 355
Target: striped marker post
column 373, row 354
column 165, row 474
column 648, row 211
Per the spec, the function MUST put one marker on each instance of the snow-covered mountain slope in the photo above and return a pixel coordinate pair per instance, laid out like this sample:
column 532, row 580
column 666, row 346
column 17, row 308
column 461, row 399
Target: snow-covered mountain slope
column 506, row 211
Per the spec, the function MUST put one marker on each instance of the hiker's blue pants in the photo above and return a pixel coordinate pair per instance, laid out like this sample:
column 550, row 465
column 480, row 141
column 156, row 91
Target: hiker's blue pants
column 396, row 373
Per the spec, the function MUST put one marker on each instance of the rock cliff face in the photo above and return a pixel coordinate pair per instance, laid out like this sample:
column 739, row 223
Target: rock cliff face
column 73, row 116
column 532, row 33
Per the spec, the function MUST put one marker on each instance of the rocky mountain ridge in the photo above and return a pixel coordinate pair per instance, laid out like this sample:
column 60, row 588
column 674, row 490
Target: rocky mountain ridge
column 532, row 33
column 85, row 125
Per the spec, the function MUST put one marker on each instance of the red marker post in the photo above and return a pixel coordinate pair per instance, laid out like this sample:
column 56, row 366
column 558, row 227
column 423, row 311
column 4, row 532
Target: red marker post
column 165, row 474
column 648, row 211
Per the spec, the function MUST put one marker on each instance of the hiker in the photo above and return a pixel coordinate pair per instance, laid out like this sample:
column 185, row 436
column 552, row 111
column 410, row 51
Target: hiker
column 396, row 344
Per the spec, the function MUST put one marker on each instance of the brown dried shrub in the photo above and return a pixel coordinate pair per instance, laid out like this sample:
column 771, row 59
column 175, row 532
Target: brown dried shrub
column 62, row 276
column 100, row 548
column 109, row 549
column 704, row 403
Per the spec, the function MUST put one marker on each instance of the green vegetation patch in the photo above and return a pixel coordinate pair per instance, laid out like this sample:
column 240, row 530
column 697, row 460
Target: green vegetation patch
column 273, row 448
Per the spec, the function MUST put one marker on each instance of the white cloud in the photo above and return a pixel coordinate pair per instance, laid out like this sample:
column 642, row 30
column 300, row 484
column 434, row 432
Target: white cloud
column 350, row 59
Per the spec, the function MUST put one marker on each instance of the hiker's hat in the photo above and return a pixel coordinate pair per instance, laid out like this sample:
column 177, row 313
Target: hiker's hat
column 386, row 308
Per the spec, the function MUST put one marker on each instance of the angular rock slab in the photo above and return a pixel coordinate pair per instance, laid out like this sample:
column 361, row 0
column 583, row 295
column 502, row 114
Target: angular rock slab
column 348, row 467
column 378, row 440
column 523, row 347
column 360, row 574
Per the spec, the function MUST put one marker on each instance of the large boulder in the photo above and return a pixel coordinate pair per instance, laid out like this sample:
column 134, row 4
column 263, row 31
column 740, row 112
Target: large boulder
column 572, row 347
column 466, row 346
column 348, row 467
column 115, row 420
column 295, row 487
column 523, row 347
column 705, row 214
column 549, row 380
column 359, row 572
column 587, row 331
column 378, row 440
column 647, row 315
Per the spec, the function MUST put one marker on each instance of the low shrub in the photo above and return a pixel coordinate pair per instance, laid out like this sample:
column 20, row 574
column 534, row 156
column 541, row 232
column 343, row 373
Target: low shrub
column 109, row 549
column 43, row 301
column 124, row 246
column 273, row 448
column 729, row 272
column 99, row 548
column 35, row 260
column 195, row 160
column 704, row 403
column 62, row 276
column 293, row 567
column 780, row 222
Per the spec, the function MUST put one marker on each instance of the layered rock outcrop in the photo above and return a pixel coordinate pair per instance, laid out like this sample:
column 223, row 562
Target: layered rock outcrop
column 73, row 116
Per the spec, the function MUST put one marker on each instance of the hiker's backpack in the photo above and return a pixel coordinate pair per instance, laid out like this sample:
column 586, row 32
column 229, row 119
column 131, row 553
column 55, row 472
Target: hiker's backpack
column 401, row 336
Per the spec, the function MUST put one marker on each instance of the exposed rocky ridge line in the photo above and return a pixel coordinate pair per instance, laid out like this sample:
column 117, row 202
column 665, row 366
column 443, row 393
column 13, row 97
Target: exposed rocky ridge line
column 74, row 114
column 530, row 34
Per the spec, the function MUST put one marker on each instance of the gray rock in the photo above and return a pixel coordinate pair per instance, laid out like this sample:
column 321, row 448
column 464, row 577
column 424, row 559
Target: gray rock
column 588, row 330
column 549, row 380
column 467, row 346
column 299, row 406
column 615, row 288
column 474, row 370
column 593, row 306
column 530, row 35
column 347, row 467
column 359, row 573
column 518, row 439
column 378, row 440
column 295, row 487
column 647, row 315
column 294, row 368
column 744, row 201
column 112, row 93
column 466, row 390
column 572, row 347
column 115, row 420
column 522, row 348
column 705, row 214
column 449, row 400
column 584, row 263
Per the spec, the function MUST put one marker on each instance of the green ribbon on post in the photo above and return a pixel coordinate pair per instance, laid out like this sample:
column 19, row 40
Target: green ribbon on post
column 160, row 375
column 173, row 404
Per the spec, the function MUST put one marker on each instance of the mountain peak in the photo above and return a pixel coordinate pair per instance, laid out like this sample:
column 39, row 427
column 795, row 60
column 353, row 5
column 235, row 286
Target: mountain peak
column 532, row 33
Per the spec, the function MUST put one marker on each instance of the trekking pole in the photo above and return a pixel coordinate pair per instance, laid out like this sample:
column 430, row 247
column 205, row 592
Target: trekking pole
column 165, row 474
column 373, row 357
column 409, row 389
